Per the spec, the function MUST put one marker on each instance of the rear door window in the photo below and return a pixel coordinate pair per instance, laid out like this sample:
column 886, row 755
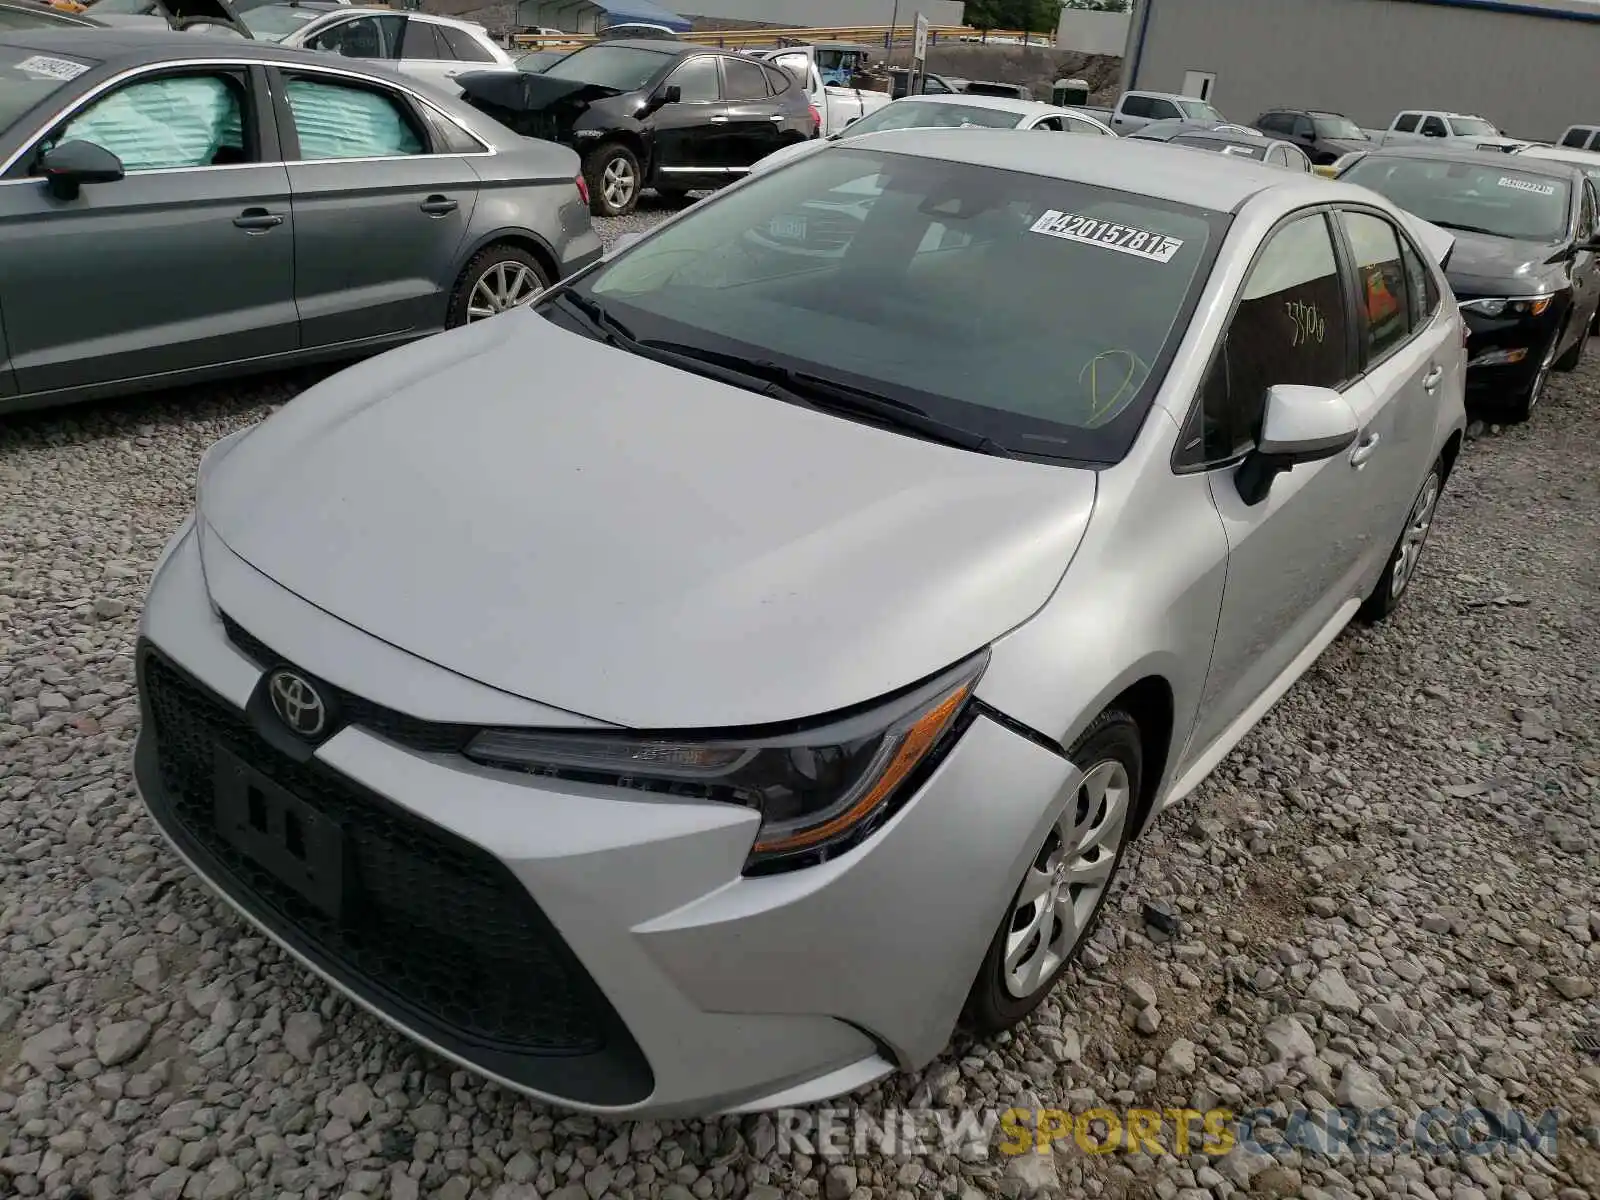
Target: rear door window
column 743, row 80
column 1407, row 123
column 422, row 40
column 463, row 45
column 342, row 120
column 1381, row 289
column 1576, row 138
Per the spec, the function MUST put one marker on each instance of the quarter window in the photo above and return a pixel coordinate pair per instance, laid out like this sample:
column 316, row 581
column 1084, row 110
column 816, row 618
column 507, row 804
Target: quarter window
column 422, row 40
column 744, row 80
column 779, row 81
column 1138, row 106
column 161, row 124
column 463, row 45
column 1380, row 282
column 1290, row 327
column 363, row 37
column 698, row 80
column 1420, row 287
column 336, row 120
column 1083, row 127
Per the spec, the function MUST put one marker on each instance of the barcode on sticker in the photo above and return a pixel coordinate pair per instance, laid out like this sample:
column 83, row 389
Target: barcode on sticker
column 52, row 68
column 1528, row 185
column 1111, row 235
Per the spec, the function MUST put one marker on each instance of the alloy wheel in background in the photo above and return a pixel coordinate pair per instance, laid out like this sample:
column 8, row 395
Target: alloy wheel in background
column 615, row 180
column 504, row 285
column 499, row 278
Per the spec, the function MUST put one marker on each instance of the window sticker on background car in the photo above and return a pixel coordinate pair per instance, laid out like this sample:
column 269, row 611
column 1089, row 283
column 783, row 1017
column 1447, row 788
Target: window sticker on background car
column 52, row 68
column 1528, row 185
column 1125, row 239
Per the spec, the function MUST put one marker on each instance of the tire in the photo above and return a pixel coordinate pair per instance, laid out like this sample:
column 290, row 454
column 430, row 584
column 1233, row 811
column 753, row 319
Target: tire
column 1521, row 405
column 615, row 180
column 1001, row 997
column 499, row 277
column 1401, row 568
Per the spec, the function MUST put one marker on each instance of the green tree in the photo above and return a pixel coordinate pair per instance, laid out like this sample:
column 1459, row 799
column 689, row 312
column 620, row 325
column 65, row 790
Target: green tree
column 1030, row 16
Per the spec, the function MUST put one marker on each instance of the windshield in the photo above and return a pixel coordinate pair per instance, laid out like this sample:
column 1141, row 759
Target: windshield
column 11, row 18
column 622, row 68
column 274, row 22
column 923, row 114
column 125, row 8
column 1338, row 127
column 1037, row 312
column 28, row 78
column 1472, row 127
column 1199, row 110
column 535, row 61
column 1492, row 199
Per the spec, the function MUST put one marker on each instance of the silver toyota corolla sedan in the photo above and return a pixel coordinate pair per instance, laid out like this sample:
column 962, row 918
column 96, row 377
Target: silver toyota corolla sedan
column 715, row 718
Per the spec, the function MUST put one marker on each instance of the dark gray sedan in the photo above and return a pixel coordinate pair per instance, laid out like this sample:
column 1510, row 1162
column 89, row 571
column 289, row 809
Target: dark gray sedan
column 175, row 208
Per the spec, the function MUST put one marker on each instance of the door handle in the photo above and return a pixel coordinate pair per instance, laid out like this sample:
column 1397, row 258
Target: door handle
column 439, row 206
column 257, row 220
column 1430, row 381
column 719, row 120
column 1365, row 449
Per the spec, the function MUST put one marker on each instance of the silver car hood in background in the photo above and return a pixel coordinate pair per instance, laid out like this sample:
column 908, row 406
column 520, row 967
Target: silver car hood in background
column 634, row 543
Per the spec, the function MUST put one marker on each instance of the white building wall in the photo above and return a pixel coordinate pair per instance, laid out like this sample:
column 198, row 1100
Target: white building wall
column 822, row 13
column 1369, row 59
column 1089, row 32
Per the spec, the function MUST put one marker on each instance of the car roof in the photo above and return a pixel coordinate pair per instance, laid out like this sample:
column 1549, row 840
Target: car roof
column 1002, row 103
column 128, row 46
column 1451, row 154
column 1210, row 181
column 1560, row 153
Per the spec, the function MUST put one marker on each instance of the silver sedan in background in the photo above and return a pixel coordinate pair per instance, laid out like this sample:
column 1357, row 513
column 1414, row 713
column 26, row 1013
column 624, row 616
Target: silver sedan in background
column 717, row 737
column 241, row 207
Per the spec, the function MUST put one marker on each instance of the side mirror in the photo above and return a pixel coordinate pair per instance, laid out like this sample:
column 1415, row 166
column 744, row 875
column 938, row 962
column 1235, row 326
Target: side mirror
column 671, row 94
column 1300, row 425
column 851, row 122
column 67, row 166
column 1307, row 135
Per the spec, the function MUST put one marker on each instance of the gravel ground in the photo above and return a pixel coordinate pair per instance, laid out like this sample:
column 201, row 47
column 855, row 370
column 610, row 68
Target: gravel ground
column 1387, row 896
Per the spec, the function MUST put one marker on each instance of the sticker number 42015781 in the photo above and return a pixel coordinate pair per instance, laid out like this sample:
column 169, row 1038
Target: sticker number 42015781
column 1125, row 239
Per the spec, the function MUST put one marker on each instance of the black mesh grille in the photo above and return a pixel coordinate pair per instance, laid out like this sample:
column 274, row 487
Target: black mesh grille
column 432, row 737
column 431, row 924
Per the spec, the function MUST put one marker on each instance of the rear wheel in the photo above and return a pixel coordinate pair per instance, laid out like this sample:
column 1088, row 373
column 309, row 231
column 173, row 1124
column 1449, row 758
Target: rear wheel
column 1058, row 902
column 614, row 180
column 1407, row 552
column 498, row 278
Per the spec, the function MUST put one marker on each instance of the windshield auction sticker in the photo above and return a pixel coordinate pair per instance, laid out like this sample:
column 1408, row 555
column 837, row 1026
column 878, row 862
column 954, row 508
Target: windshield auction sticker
column 1109, row 235
column 1528, row 185
column 52, row 68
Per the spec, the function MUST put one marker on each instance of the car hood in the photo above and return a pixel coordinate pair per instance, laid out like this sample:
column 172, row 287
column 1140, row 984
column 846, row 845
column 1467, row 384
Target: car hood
column 1483, row 265
column 635, row 543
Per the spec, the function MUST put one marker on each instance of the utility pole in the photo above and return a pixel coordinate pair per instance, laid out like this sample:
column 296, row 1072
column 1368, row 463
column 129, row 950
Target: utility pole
column 894, row 21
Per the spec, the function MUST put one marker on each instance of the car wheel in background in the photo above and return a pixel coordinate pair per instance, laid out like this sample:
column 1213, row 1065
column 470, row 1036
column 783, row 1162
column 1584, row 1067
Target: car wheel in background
column 1058, row 902
column 1570, row 360
column 498, row 278
column 614, row 180
column 1407, row 552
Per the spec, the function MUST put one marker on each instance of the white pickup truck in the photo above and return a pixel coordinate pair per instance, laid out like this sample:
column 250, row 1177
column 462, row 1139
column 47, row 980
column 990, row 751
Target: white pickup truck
column 836, row 105
column 1135, row 110
column 1446, row 128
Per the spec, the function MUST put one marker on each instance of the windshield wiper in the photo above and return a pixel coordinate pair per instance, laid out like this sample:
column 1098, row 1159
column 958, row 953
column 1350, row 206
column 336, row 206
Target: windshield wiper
column 830, row 395
column 611, row 331
column 1466, row 228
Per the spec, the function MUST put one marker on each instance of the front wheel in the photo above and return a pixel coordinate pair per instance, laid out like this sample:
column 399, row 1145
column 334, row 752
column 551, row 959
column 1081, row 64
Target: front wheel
column 614, row 180
column 1058, row 902
column 1407, row 552
column 498, row 278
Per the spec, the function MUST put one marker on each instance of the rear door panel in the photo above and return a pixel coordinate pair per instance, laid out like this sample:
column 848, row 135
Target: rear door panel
column 380, row 220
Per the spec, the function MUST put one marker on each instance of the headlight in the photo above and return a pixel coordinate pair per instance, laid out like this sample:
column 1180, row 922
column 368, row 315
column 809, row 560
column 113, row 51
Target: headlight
column 819, row 791
column 1519, row 306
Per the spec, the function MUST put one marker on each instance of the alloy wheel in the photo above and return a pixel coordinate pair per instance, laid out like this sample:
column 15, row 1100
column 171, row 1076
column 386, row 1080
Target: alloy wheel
column 1418, row 524
column 617, row 182
column 504, row 285
column 1063, row 886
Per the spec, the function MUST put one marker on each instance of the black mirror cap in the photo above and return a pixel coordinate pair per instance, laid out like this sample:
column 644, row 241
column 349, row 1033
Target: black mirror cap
column 671, row 94
column 67, row 166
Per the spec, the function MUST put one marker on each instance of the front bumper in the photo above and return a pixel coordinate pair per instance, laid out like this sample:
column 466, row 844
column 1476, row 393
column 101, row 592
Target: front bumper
column 1506, row 354
column 591, row 947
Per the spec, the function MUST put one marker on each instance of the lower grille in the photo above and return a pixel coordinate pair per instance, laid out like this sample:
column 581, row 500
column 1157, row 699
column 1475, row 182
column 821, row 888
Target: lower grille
column 432, row 930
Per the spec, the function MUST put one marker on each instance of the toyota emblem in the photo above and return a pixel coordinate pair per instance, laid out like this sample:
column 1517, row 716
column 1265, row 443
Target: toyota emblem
column 299, row 705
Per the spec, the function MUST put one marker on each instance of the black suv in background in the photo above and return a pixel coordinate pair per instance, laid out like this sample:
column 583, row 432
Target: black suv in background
column 645, row 113
column 1324, row 136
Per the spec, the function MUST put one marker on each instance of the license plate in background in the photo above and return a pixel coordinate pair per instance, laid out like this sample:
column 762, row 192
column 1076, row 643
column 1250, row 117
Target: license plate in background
column 279, row 832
